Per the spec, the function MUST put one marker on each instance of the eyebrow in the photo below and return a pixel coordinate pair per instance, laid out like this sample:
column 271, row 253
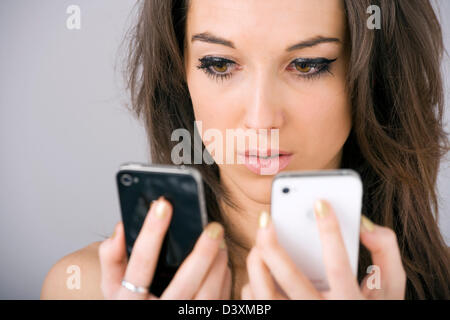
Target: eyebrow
column 312, row 42
column 210, row 38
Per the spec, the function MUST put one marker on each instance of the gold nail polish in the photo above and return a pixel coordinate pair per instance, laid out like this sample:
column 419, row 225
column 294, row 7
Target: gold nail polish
column 213, row 230
column 367, row 224
column 264, row 219
column 114, row 232
column 223, row 244
column 161, row 208
column 321, row 209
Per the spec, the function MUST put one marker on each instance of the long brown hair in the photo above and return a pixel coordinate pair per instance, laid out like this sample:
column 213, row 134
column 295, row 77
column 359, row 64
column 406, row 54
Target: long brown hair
column 396, row 143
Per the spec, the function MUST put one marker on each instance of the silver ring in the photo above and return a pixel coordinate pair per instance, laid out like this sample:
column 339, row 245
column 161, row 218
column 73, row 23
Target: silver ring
column 133, row 288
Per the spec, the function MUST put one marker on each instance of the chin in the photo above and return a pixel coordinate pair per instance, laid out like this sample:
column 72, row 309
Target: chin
column 256, row 187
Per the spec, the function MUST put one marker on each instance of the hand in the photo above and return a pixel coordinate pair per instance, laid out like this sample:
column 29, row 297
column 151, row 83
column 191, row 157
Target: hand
column 273, row 274
column 204, row 274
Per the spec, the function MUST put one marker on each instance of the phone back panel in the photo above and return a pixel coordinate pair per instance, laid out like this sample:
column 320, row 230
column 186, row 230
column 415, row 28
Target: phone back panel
column 295, row 222
column 137, row 189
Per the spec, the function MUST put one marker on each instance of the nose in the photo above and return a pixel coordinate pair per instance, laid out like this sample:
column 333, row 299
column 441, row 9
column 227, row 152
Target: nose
column 263, row 110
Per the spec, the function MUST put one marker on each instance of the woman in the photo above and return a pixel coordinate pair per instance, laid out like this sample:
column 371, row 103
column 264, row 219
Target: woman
column 341, row 94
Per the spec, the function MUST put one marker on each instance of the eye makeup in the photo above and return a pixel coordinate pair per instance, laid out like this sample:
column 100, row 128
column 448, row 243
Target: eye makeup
column 209, row 63
column 305, row 68
column 309, row 68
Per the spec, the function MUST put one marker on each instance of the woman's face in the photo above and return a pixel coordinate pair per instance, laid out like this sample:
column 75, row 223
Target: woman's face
column 256, row 78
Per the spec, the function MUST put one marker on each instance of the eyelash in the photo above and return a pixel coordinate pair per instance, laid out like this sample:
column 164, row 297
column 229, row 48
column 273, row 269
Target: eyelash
column 321, row 64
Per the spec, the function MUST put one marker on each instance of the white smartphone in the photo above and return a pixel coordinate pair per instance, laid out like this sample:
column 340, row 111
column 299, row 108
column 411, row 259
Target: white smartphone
column 292, row 211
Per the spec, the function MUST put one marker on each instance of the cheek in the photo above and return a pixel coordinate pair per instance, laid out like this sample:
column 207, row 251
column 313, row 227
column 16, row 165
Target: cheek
column 212, row 107
column 215, row 112
column 322, row 121
column 213, row 115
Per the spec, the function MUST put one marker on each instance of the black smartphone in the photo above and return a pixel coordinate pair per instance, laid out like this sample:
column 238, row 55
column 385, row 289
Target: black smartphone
column 138, row 185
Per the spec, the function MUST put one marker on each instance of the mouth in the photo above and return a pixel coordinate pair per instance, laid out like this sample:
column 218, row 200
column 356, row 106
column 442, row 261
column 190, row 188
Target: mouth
column 265, row 153
column 266, row 162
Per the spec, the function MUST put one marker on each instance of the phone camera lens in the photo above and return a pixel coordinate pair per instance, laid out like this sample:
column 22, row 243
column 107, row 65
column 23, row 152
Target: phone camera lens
column 285, row 190
column 126, row 180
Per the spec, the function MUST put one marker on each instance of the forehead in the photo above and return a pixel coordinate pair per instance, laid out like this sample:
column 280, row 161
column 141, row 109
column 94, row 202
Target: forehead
column 266, row 22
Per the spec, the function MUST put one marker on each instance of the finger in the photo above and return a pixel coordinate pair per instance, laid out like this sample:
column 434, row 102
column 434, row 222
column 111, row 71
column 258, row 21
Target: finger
column 260, row 279
column 383, row 246
column 291, row 280
column 145, row 253
column 226, row 285
column 211, row 288
column 246, row 292
column 341, row 279
column 371, row 288
column 113, row 262
column 193, row 270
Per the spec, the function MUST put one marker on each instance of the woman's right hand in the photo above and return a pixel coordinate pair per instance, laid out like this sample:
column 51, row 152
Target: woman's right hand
column 204, row 274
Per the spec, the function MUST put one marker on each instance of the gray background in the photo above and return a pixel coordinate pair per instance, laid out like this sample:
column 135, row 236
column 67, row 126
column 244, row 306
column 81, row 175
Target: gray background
column 64, row 131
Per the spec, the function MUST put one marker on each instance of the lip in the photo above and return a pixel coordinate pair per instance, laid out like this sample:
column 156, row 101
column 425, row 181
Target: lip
column 266, row 166
column 268, row 152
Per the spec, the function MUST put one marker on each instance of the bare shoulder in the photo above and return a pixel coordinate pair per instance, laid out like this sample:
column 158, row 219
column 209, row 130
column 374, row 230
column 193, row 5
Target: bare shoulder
column 75, row 276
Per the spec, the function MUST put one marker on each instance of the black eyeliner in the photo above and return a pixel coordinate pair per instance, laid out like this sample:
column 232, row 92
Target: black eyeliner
column 208, row 61
column 321, row 64
column 314, row 60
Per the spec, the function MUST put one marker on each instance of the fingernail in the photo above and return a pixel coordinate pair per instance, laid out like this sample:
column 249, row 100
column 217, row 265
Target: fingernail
column 213, row 230
column 264, row 219
column 321, row 209
column 114, row 232
column 223, row 244
column 161, row 208
column 367, row 224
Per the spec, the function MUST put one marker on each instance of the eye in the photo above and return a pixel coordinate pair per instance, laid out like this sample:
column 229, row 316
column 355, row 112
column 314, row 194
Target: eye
column 216, row 67
column 311, row 67
column 304, row 68
column 220, row 67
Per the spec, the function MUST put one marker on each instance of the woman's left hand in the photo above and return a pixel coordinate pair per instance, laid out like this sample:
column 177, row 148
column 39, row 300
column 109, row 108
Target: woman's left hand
column 273, row 274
